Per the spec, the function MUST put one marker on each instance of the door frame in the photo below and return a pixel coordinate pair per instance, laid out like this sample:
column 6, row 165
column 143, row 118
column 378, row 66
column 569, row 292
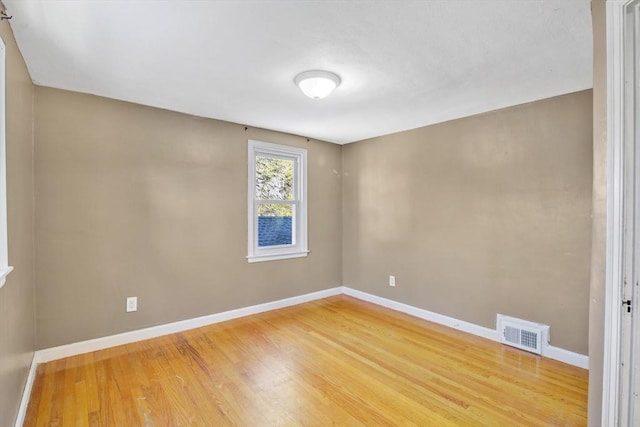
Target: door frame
column 621, row 187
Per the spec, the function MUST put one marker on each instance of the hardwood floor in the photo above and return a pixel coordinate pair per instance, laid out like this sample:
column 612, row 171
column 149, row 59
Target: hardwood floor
column 336, row 361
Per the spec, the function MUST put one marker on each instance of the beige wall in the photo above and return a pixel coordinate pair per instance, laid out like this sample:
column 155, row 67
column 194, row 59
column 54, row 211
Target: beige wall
column 137, row 201
column 483, row 215
column 470, row 215
column 17, row 328
column 596, row 301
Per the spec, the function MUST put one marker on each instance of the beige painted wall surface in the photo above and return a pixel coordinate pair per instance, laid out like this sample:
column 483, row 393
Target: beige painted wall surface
column 137, row 201
column 17, row 326
column 599, row 232
column 483, row 215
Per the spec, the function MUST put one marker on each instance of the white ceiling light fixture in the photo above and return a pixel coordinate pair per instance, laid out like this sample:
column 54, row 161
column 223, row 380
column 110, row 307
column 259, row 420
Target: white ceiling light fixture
column 317, row 84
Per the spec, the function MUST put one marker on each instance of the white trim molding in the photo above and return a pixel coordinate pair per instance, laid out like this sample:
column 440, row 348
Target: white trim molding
column 298, row 203
column 55, row 353
column 440, row 319
column 616, row 11
column 566, row 356
column 5, row 269
column 549, row 351
column 26, row 393
column 4, row 272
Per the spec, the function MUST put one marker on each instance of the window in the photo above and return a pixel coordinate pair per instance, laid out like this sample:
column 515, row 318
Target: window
column 277, row 202
column 4, row 257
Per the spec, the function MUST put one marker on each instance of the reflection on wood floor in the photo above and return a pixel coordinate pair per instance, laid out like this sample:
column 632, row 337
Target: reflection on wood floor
column 336, row 361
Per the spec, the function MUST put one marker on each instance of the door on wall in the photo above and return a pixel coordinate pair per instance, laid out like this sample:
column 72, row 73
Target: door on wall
column 629, row 192
column 621, row 381
column 629, row 382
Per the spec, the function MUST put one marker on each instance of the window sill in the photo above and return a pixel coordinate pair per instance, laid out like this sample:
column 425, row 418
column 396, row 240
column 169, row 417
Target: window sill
column 274, row 257
column 4, row 272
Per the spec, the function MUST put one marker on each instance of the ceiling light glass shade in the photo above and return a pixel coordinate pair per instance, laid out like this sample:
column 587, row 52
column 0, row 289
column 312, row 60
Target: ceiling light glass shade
column 317, row 84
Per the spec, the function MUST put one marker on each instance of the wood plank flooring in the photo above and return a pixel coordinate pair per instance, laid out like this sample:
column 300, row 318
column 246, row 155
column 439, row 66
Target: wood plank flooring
column 336, row 361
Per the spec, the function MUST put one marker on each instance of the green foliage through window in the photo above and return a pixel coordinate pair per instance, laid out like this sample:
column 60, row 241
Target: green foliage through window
column 274, row 181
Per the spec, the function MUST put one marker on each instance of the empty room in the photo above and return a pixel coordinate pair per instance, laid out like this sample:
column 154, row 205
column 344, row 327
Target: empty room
column 263, row 213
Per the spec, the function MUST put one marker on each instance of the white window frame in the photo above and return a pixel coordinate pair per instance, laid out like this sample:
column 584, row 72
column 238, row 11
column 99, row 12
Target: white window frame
column 299, row 246
column 5, row 269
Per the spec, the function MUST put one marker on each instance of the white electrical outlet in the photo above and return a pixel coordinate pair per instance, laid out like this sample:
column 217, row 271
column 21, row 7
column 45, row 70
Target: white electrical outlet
column 392, row 280
column 132, row 304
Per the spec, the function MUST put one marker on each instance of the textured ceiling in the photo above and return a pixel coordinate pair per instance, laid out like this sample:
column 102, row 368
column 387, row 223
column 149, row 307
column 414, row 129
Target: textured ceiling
column 403, row 64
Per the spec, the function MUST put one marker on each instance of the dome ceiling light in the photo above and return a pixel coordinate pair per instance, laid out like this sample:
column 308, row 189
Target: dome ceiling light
column 317, row 84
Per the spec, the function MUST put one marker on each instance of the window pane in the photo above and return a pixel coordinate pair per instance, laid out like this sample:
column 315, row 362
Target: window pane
column 274, row 179
column 275, row 224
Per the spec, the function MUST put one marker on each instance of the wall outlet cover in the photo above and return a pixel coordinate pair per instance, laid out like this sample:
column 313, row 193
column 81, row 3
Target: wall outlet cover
column 132, row 304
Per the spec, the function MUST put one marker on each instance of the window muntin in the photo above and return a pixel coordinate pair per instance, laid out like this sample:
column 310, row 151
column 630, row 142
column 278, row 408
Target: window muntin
column 277, row 202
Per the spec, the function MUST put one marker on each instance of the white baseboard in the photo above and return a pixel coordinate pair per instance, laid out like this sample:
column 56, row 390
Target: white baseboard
column 461, row 325
column 566, row 356
column 549, row 351
column 26, row 394
column 54, row 353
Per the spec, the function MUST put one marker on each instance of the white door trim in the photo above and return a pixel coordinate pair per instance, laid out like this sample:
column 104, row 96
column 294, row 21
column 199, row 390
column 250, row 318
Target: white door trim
column 617, row 185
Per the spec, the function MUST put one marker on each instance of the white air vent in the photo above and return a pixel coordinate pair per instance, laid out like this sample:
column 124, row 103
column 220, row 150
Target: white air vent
column 523, row 334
